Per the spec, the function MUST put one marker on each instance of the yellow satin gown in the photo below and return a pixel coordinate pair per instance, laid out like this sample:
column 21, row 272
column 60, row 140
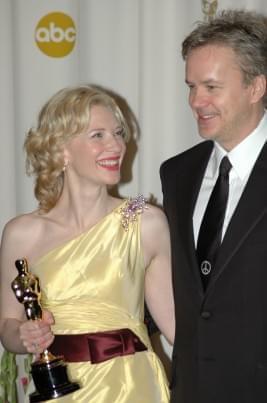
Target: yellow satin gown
column 95, row 282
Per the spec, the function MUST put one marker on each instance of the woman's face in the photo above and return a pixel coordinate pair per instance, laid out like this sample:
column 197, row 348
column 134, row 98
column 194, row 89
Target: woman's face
column 96, row 155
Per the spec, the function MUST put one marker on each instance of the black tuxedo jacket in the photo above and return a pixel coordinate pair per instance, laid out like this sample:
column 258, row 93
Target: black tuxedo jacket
column 220, row 349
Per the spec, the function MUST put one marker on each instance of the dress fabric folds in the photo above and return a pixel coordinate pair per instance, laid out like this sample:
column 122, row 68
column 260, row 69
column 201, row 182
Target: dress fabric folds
column 93, row 283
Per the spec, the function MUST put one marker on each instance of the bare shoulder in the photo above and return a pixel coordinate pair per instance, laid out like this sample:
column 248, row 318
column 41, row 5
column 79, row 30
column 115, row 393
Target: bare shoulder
column 154, row 218
column 21, row 225
column 21, row 231
column 154, row 226
column 154, row 233
column 18, row 239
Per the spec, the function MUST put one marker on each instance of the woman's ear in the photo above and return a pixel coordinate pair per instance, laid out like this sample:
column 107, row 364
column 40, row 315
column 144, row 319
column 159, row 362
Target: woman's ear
column 65, row 159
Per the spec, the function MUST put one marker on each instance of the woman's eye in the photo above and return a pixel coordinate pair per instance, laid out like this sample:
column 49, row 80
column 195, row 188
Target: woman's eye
column 120, row 133
column 97, row 135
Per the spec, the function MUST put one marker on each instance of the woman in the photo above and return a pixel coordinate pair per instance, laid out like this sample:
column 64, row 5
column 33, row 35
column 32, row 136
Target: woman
column 95, row 255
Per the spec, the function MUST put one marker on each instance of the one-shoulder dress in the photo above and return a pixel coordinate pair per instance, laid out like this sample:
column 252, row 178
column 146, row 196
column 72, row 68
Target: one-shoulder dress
column 95, row 283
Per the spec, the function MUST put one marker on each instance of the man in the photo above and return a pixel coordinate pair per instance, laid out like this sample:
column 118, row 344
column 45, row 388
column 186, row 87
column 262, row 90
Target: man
column 220, row 289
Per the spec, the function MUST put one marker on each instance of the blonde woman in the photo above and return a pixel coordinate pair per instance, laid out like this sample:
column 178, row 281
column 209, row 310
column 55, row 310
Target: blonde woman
column 96, row 256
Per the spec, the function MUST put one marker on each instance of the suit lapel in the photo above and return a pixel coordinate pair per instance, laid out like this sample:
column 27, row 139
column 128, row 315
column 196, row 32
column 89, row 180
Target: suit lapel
column 186, row 196
column 250, row 209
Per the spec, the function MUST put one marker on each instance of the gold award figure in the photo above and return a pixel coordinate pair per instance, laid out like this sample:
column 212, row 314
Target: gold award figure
column 49, row 373
column 27, row 290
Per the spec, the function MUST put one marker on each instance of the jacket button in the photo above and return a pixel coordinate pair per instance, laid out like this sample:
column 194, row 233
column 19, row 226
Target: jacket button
column 205, row 315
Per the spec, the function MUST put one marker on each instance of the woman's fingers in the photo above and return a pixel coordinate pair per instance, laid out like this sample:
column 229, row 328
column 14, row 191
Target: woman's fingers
column 36, row 336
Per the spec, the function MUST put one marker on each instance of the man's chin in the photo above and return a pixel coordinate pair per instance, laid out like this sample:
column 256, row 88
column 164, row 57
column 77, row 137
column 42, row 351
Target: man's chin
column 206, row 135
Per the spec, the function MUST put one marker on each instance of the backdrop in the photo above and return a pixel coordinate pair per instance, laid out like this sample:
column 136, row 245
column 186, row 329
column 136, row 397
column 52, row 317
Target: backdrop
column 131, row 47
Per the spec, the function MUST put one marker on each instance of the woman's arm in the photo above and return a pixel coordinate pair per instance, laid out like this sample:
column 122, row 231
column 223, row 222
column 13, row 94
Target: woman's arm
column 158, row 284
column 18, row 334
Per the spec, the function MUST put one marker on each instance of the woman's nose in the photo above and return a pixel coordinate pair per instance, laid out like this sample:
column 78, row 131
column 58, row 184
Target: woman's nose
column 115, row 142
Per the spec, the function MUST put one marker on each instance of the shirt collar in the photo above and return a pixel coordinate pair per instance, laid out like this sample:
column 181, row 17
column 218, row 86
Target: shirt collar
column 244, row 155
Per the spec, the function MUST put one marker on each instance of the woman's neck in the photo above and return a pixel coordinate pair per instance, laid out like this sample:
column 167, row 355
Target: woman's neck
column 82, row 208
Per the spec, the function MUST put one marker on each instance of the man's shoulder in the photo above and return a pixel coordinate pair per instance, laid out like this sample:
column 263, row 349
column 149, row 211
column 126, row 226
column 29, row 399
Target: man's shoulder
column 187, row 157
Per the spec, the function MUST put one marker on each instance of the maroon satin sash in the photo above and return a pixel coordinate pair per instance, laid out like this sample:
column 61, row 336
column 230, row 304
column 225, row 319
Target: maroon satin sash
column 96, row 347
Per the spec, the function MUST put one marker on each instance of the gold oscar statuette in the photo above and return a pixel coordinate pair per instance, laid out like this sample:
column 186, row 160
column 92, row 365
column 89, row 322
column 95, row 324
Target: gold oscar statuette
column 49, row 373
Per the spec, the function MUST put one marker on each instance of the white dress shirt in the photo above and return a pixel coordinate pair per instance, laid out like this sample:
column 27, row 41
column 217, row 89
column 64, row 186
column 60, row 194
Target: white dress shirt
column 242, row 158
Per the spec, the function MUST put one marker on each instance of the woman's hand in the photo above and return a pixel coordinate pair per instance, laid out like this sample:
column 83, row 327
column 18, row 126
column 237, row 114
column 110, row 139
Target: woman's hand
column 36, row 335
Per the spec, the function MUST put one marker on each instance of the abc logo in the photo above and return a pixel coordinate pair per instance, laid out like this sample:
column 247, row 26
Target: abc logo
column 55, row 34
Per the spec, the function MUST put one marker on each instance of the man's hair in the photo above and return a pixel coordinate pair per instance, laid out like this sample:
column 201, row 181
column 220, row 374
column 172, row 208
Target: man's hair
column 245, row 32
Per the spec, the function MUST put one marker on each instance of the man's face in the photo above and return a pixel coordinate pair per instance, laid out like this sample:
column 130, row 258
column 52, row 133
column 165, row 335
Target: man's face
column 222, row 103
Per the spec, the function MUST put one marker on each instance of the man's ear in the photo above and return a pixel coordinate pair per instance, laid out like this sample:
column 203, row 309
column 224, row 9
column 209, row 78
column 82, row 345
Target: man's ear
column 258, row 86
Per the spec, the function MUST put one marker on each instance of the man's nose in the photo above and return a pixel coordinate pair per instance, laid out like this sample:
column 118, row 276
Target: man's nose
column 198, row 98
